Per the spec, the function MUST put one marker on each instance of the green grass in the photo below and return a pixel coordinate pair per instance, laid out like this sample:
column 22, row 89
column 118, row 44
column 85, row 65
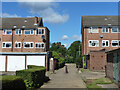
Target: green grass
column 93, row 83
column 82, row 70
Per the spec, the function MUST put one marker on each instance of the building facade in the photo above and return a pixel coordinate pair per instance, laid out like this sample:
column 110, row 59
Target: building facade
column 23, row 35
column 23, row 41
column 100, row 32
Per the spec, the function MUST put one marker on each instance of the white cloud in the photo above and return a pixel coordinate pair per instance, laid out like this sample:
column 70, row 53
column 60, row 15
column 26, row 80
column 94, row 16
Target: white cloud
column 65, row 45
column 76, row 37
column 64, row 37
column 47, row 11
column 9, row 15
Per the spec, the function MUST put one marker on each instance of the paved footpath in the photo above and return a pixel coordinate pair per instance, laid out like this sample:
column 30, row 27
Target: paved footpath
column 62, row 80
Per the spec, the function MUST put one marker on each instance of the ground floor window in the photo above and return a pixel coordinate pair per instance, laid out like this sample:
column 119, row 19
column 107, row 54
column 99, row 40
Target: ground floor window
column 39, row 45
column 93, row 43
column 28, row 44
column 105, row 43
column 7, row 45
column 17, row 44
column 115, row 43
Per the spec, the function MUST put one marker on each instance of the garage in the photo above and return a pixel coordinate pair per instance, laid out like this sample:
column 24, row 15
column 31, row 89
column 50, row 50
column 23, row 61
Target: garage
column 36, row 60
column 2, row 63
column 19, row 61
column 15, row 63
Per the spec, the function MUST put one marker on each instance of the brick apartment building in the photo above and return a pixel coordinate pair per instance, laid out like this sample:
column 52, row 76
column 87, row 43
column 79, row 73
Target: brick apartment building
column 23, row 39
column 99, row 33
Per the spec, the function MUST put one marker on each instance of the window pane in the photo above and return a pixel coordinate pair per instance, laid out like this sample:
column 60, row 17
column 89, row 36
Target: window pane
column 3, row 44
column 40, row 31
column 9, row 32
column 106, row 43
column 114, row 29
column 27, row 32
column 16, row 31
column 31, row 31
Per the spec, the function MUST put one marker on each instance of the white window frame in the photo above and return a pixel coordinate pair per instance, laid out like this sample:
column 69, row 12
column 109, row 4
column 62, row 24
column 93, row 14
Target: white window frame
column 105, row 43
column 18, row 32
column 5, row 44
column 20, row 44
column 105, row 30
column 112, row 42
column 91, row 28
column 115, row 32
column 30, row 32
column 41, row 31
column 39, row 43
column 28, row 43
column 6, row 32
column 92, row 41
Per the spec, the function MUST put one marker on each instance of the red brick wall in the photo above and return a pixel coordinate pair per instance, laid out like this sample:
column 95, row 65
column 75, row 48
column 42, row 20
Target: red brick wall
column 97, row 60
column 86, row 36
column 25, row 38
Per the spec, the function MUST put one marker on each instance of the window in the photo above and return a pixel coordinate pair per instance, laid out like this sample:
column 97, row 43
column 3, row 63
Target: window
column 93, row 30
column 115, row 43
column 115, row 30
column 105, row 43
column 28, row 44
column 17, row 44
column 18, row 32
column 105, row 30
column 40, row 31
column 39, row 45
column 7, row 32
column 93, row 43
column 28, row 32
column 7, row 45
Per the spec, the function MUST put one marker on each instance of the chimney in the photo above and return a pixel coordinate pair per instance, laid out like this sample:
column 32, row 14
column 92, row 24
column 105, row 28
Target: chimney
column 36, row 20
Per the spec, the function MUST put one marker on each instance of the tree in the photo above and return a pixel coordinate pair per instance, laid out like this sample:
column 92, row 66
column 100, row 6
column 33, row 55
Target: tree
column 75, row 50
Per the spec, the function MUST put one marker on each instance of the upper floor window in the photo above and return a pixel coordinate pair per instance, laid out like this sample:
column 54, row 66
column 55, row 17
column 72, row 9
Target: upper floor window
column 17, row 44
column 7, row 32
column 39, row 45
column 7, row 45
column 28, row 44
column 115, row 30
column 93, row 43
column 115, row 43
column 28, row 32
column 93, row 30
column 40, row 31
column 105, row 43
column 105, row 30
column 18, row 32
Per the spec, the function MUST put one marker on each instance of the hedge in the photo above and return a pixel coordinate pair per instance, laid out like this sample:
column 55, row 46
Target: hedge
column 12, row 82
column 34, row 76
column 33, row 66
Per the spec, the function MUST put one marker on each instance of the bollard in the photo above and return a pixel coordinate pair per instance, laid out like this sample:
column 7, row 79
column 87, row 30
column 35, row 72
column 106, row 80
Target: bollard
column 66, row 70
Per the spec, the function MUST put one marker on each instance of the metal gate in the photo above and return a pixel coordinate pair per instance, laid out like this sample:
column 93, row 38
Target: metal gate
column 115, row 67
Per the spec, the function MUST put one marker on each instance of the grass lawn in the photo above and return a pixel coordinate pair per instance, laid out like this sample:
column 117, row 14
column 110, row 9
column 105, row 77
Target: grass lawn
column 93, row 83
column 82, row 70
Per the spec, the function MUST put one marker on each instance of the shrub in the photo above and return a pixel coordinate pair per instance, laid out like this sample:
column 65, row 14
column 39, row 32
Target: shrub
column 33, row 66
column 10, row 81
column 34, row 77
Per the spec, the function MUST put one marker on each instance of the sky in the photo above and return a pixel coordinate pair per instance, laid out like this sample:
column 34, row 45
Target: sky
column 62, row 18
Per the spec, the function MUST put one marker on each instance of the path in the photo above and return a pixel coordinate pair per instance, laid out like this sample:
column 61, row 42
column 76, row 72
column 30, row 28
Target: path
column 63, row 80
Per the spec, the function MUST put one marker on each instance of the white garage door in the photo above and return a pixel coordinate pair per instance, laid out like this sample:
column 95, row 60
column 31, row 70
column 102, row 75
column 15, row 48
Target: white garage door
column 36, row 60
column 2, row 63
column 15, row 63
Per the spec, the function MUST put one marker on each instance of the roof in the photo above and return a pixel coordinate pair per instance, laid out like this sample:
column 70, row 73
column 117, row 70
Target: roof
column 100, row 21
column 112, row 51
column 8, row 23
